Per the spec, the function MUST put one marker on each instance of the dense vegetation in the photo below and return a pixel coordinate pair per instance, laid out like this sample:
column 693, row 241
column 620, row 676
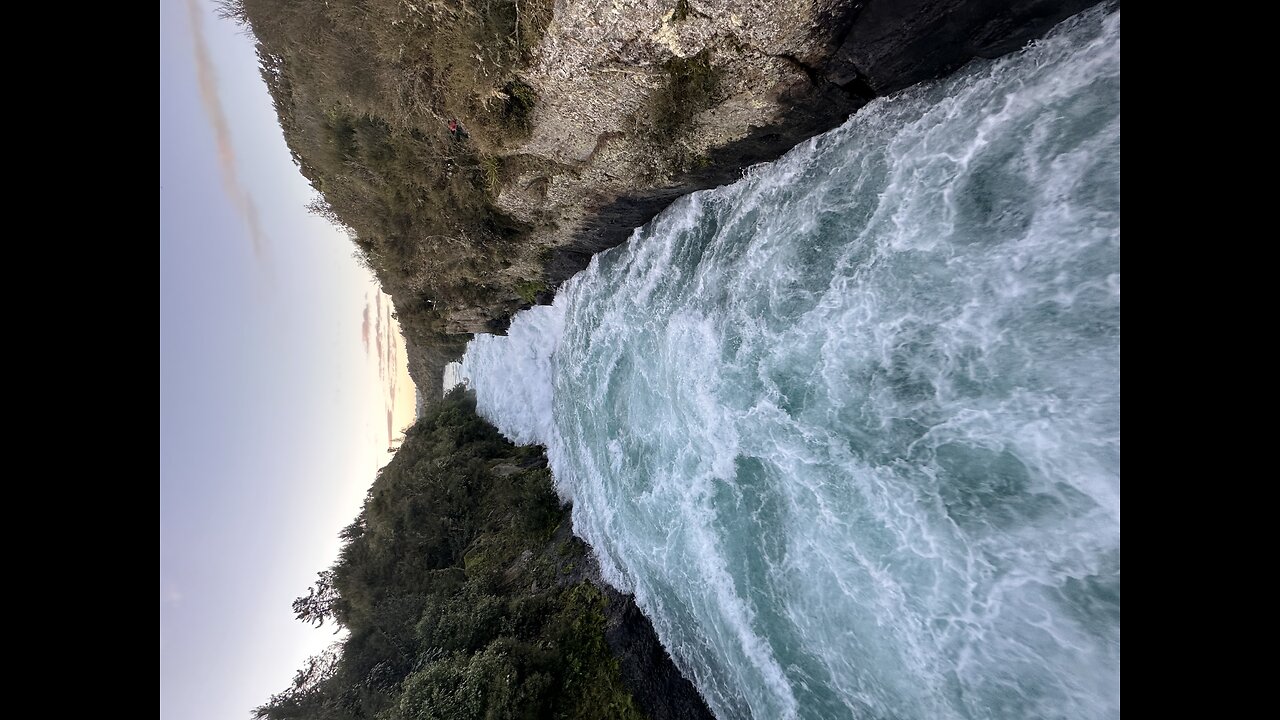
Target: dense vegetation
column 457, row 586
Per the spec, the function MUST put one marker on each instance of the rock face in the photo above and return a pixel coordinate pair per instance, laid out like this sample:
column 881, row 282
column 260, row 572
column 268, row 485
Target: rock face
column 895, row 44
column 604, row 156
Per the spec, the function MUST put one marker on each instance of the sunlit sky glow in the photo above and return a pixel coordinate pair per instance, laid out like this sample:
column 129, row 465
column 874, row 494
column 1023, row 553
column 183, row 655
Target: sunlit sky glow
column 282, row 380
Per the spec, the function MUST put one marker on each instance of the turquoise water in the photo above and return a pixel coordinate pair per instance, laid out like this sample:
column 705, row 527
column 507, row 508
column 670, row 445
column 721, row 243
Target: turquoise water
column 850, row 428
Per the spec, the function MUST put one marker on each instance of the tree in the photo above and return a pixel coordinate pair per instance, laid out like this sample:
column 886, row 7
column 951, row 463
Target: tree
column 321, row 601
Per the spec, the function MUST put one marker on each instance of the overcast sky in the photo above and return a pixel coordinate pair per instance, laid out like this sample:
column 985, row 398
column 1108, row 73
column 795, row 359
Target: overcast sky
column 278, row 361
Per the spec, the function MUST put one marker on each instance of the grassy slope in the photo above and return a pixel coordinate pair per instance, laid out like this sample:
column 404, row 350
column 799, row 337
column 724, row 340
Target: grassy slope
column 364, row 90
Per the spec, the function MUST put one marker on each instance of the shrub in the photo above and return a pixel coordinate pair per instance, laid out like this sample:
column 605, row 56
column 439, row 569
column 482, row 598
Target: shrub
column 690, row 87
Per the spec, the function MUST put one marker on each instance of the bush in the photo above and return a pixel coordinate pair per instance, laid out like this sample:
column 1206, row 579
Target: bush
column 517, row 111
column 690, row 87
column 529, row 290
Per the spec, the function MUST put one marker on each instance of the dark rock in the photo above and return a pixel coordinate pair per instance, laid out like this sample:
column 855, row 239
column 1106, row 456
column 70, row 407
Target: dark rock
column 894, row 44
column 659, row 688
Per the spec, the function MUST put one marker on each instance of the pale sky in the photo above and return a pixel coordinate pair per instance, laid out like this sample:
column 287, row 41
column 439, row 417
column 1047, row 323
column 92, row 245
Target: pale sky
column 274, row 393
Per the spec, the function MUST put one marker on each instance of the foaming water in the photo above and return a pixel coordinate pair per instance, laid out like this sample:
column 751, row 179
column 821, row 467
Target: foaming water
column 850, row 428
